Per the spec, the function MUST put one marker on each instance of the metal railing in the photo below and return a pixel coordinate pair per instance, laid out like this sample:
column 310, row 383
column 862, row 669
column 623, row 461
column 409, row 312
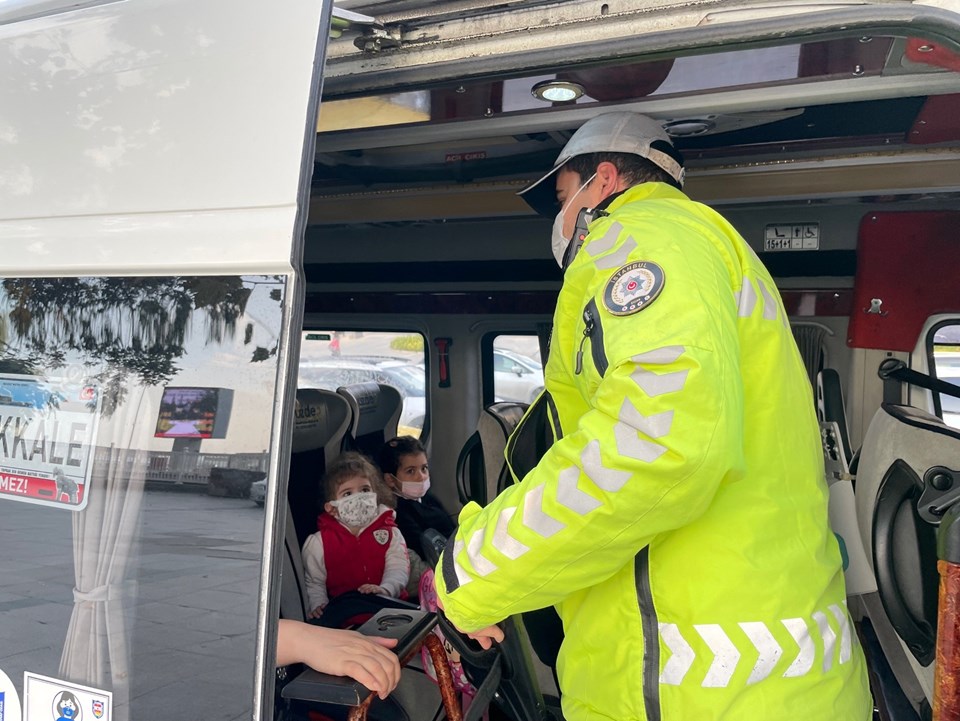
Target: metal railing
column 180, row 468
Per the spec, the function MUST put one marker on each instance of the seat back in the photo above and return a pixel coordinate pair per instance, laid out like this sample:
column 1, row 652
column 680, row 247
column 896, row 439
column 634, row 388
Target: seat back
column 376, row 411
column 901, row 450
column 482, row 471
column 322, row 421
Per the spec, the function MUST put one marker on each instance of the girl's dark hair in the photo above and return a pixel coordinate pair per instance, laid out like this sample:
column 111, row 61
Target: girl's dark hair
column 395, row 449
column 350, row 465
column 64, row 697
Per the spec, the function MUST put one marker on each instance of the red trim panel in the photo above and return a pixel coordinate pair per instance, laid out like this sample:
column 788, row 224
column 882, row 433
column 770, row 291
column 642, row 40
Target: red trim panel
column 820, row 302
column 937, row 122
column 910, row 263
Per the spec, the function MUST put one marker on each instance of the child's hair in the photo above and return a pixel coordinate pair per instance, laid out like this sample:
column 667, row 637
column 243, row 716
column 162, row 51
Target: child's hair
column 349, row 465
column 395, row 449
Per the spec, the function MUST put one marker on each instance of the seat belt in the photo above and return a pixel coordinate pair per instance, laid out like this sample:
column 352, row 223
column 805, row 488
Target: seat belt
column 894, row 372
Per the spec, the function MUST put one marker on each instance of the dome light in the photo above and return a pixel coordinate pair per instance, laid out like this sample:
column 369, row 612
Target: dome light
column 687, row 128
column 557, row 91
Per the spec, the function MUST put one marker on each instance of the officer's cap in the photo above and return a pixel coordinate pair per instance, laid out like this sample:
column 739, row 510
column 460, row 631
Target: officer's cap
column 620, row 132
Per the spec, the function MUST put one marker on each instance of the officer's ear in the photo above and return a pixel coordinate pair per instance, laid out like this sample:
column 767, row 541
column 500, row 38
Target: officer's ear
column 608, row 179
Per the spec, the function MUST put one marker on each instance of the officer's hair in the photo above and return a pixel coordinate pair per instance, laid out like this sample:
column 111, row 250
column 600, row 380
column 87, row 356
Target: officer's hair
column 395, row 449
column 350, row 465
column 634, row 168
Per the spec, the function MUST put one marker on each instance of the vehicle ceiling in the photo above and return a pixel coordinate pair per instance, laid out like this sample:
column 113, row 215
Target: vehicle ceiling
column 836, row 100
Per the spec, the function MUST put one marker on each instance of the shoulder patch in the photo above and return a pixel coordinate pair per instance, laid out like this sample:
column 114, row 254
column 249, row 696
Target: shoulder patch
column 633, row 287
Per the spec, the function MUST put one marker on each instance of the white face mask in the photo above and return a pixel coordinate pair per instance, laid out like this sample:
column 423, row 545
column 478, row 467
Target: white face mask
column 414, row 490
column 357, row 510
column 558, row 242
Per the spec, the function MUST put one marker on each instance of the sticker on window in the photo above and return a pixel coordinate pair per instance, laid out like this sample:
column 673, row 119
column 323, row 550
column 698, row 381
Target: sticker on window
column 9, row 701
column 50, row 699
column 47, row 431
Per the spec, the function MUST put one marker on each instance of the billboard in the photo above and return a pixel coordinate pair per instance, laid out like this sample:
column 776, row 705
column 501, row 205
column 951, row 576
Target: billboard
column 47, row 433
column 188, row 412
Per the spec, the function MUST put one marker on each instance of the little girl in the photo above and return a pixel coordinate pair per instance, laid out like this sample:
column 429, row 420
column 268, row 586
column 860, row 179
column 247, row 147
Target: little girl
column 358, row 546
column 403, row 461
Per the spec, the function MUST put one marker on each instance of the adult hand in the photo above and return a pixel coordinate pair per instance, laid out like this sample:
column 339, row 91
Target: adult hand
column 372, row 588
column 485, row 636
column 340, row 653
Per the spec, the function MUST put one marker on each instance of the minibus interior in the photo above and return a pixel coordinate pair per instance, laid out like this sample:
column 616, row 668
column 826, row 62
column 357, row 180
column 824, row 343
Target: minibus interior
column 828, row 135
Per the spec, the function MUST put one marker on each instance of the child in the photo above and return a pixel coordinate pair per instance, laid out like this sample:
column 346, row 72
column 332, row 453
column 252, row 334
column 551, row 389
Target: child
column 357, row 546
column 403, row 461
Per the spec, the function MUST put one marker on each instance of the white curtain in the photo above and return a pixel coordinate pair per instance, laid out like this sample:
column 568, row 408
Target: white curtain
column 105, row 549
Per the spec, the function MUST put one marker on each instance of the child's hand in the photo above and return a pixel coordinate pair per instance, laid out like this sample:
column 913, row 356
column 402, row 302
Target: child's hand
column 370, row 588
column 317, row 612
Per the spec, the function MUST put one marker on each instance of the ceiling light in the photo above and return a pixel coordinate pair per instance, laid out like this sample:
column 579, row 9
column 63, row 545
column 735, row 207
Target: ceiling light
column 686, row 128
column 556, row 91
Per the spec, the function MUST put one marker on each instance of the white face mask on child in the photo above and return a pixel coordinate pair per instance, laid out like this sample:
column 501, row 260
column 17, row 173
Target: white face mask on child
column 414, row 490
column 357, row 510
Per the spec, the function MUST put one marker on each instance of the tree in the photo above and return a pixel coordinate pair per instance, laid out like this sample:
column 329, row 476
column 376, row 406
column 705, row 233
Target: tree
column 122, row 327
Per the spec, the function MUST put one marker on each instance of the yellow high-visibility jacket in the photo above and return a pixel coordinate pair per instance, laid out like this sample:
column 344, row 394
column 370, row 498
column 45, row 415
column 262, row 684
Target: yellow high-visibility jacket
column 679, row 520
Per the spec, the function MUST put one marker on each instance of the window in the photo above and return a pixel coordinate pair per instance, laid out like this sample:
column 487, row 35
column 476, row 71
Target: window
column 330, row 359
column 517, row 371
column 132, row 552
column 944, row 343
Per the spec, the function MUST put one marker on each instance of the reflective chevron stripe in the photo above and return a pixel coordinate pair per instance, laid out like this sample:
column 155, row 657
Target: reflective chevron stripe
column 660, row 356
column 725, row 655
column 829, row 637
column 656, row 385
column 618, row 257
column 746, row 299
column 629, row 444
column 607, row 479
column 534, row 516
column 846, row 644
column 681, row 658
column 463, row 578
column 605, row 243
column 771, row 308
column 768, row 650
column 481, row 564
column 503, row 541
column 801, row 634
column 570, row 496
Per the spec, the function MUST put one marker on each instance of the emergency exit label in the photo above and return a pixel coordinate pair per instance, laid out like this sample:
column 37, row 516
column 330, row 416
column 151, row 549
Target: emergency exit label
column 791, row 236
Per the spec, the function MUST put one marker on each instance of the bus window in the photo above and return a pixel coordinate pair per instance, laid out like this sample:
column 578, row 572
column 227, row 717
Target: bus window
column 944, row 345
column 135, row 414
column 333, row 358
column 517, row 370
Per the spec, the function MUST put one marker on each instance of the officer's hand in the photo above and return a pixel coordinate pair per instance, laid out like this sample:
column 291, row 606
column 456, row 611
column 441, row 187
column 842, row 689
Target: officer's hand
column 485, row 636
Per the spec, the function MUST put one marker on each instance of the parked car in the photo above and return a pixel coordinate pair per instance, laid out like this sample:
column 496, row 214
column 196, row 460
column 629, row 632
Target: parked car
column 405, row 377
column 258, row 491
column 516, row 377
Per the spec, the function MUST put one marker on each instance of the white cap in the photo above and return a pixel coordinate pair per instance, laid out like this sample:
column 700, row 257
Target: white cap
column 620, row 132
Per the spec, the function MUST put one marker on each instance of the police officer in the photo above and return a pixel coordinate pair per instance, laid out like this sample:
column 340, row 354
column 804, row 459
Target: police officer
column 678, row 522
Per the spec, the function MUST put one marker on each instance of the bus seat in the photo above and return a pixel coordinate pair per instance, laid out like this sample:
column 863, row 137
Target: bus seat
column 322, row 421
column 376, row 411
column 830, row 406
column 901, row 449
column 482, row 471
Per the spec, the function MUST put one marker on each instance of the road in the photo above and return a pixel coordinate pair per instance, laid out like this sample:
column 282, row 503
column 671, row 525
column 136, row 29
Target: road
column 189, row 602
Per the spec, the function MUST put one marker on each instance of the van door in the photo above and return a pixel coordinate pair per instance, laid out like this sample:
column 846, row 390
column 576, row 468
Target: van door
column 156, row 158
